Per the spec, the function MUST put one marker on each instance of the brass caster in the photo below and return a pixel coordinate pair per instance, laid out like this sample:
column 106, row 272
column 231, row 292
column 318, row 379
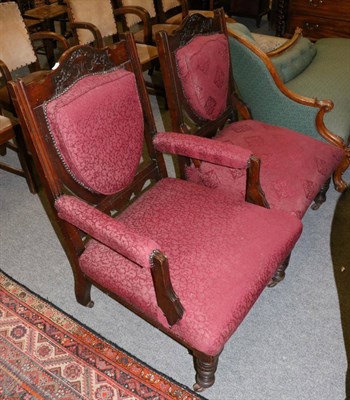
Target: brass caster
column 90, row 304
column 198, row 388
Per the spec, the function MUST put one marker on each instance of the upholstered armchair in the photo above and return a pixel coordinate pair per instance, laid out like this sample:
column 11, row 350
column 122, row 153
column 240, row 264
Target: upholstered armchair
column 196, row 68
column 174, row 252
column 297, row 84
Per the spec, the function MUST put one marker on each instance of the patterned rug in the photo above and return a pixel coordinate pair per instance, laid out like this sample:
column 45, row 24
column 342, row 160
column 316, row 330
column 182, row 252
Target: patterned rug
column 45, row 354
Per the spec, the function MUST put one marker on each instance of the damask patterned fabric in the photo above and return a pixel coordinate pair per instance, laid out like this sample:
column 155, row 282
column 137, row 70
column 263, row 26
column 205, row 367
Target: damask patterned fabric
column 224, row 154
column 107, row 230
column 99, row 118
column 221, row 256
column 293, row 168
column 205, row 56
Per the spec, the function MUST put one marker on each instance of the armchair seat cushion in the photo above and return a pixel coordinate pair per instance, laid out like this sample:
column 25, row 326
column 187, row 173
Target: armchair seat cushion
column 294, row 189
column 220, row 258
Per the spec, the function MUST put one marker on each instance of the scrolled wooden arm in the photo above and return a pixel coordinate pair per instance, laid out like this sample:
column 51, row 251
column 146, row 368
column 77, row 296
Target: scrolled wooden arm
column 285, row 46
column 51, row 36
column 143, row 14
column 90, row 27
column 4, row 71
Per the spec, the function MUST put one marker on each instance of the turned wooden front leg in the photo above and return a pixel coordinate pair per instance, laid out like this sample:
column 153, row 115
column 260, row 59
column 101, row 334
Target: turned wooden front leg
column 205, row 367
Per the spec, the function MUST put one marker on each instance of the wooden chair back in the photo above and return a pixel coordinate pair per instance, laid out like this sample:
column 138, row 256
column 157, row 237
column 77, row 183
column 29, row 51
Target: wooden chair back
column 55, row 171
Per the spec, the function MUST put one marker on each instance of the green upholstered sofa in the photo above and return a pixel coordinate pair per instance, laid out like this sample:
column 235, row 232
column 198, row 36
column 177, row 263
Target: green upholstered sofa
column 296, row 84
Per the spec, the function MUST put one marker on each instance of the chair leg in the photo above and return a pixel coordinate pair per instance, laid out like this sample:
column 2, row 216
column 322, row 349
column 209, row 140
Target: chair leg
column 321, row 195
column 83, row 290
column 205, row 367
column 25, row 160
column 339, row 183
column 280, row 273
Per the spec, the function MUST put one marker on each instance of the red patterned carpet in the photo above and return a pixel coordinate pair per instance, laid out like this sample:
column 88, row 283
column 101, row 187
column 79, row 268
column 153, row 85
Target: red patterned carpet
column 45, row 354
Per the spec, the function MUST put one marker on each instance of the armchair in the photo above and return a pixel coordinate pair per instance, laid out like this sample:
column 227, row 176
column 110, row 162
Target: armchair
column 88, row 123
column 301, row 86
column 195, row 63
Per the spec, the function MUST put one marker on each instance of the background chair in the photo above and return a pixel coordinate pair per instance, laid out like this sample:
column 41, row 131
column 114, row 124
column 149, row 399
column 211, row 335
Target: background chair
column 17, row 54
column 11, row 134
column 195, row 63
column 18, row 58
column 161, row 255
column 174, row 11
column 146, row 29
column 95, row 20
column 300, row 85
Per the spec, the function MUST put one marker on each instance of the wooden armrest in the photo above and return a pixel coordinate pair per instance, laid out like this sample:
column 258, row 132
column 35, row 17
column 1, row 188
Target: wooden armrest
column 90, row 27
column 51, row 36
column 290, row 43
column 143, row 14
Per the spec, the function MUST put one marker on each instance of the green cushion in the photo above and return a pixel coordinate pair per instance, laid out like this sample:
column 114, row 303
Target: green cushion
column 294, row 60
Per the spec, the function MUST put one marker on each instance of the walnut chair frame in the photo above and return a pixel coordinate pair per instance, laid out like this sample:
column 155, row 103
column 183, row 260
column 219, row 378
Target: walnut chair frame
column 82, row 65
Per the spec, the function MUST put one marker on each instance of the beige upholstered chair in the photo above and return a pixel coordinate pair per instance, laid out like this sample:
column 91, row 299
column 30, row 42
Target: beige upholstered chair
column 94, row 20
column 18, row 58
column 16, row 48
column 145, row 30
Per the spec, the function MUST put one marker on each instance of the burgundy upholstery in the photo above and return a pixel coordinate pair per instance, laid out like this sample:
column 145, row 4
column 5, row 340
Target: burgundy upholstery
column 225, row 154
column 287, row 158
column 207, row 97
column 93, row 121
column 205, row 237
column 106, row 229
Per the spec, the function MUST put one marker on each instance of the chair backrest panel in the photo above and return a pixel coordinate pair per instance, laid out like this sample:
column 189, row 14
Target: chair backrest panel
column 91, row 105
column 14, row 35
column 197, row 74
column 203, row 68
column 97, row 128
column 97, row 12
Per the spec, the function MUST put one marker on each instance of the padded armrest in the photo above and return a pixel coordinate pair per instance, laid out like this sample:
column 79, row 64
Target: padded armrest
column 107, row 230
column 213, row 151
